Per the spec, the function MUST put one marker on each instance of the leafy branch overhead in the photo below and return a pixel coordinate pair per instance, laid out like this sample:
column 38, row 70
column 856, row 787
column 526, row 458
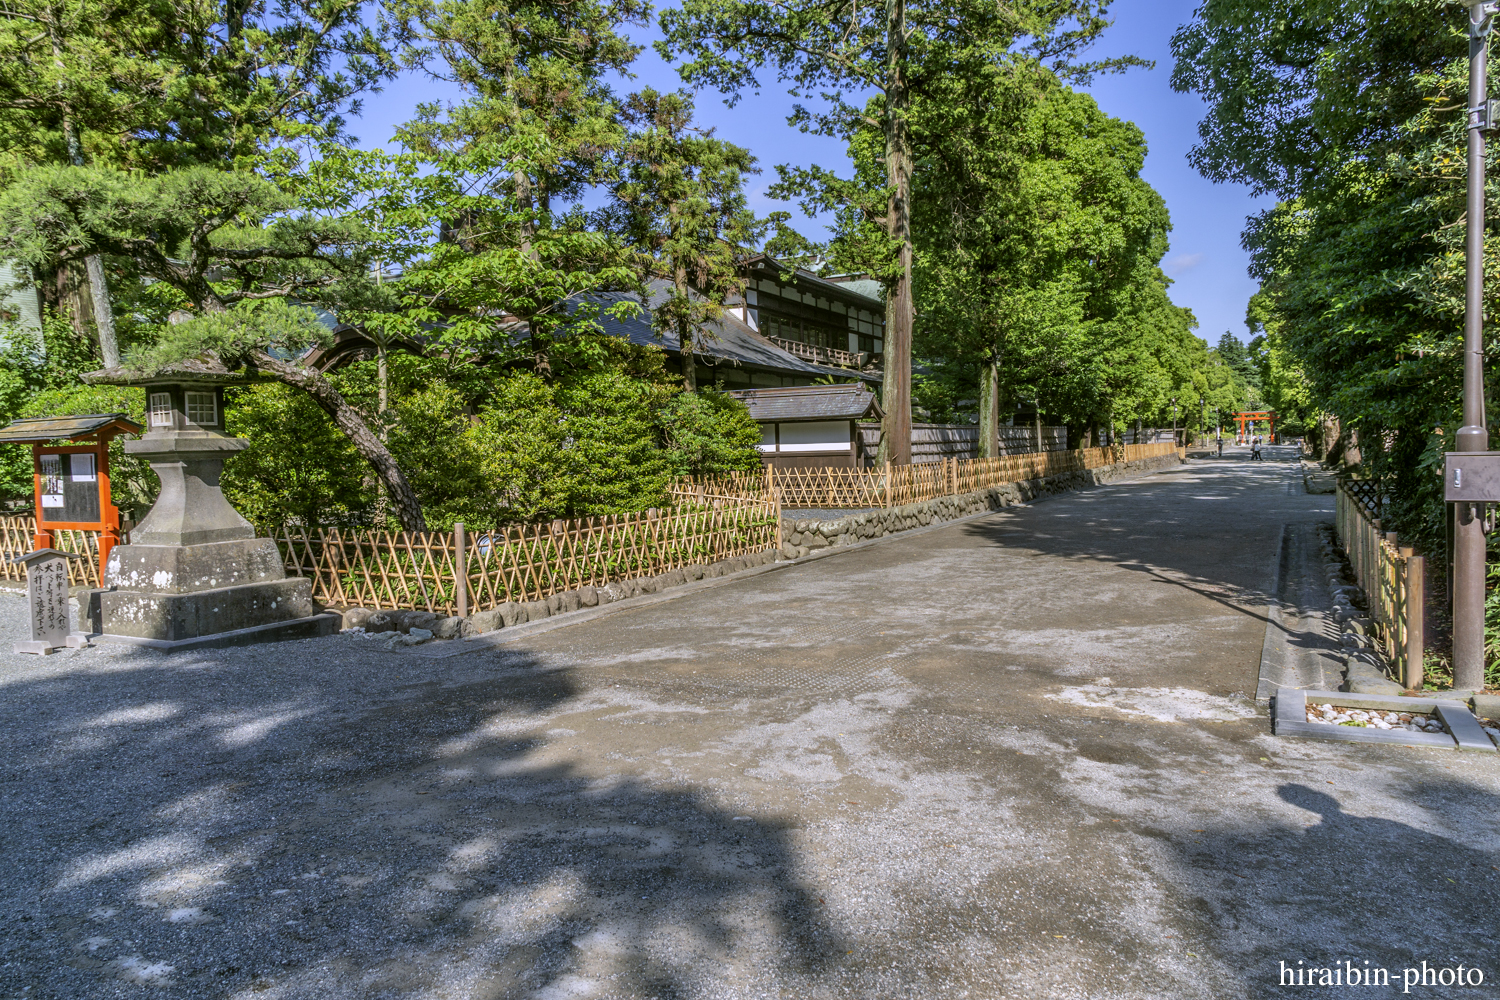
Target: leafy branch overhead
column 214, row 237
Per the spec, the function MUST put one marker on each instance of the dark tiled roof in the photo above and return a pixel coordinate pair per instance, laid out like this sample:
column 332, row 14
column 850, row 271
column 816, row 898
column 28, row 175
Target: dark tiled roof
column 733, row 342
column 810, row 402
column 53, row 428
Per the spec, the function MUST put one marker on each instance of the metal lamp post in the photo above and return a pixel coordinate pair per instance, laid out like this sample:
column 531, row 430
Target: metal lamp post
column 1473, row 436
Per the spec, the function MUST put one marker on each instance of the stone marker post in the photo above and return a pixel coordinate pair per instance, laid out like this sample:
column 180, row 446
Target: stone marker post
column 47, row 599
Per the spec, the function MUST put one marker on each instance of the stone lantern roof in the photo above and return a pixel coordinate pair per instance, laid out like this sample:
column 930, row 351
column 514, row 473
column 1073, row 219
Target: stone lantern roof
column 204, row 369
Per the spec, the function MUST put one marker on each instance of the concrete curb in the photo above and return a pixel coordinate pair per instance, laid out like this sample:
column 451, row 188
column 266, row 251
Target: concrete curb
column 1273, row 655
column 442, row 649
column 1289, row 718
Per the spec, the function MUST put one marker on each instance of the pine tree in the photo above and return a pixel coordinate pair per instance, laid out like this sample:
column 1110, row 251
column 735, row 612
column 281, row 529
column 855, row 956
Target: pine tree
column 492, row 179
column 681, row 202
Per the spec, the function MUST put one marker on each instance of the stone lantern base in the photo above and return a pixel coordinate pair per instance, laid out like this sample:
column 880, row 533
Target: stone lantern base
column 171, row 594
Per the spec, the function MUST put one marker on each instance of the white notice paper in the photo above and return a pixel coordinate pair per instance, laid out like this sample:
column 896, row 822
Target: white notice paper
column 52, row 480
column 81, row 466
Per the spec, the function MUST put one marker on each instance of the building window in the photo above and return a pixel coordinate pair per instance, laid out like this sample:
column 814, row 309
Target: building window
column 202, row 409
column 161, row 409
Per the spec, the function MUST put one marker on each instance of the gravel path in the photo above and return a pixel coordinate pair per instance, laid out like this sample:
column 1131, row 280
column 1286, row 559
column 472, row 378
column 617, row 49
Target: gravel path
column 1015, row 756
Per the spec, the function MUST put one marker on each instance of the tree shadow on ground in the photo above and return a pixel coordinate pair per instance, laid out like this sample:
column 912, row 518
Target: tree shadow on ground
column 1348, row 889
column 1193, row 539
column 239, row 823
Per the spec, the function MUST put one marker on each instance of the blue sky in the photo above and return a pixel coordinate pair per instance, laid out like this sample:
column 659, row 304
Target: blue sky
column 1205, row 260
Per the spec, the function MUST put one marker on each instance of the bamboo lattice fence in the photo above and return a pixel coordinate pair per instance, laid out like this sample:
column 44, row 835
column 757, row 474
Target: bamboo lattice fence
column 1392, row 577
column 890, row 486
column 522, row 562
column 17, row 533
column 708, row 521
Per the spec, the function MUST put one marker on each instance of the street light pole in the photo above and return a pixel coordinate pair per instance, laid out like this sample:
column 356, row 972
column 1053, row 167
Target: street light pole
column 1468, row 533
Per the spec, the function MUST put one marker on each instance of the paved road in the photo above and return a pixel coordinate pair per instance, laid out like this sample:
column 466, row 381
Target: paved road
column 1015, row 756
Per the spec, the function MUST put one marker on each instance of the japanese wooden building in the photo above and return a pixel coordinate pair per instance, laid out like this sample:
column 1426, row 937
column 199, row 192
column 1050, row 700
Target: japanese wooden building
column 811, row 426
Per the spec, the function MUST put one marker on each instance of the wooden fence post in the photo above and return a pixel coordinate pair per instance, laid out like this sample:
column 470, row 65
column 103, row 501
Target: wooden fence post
column 461, row 568
column 1416, row 569
column 887, row 482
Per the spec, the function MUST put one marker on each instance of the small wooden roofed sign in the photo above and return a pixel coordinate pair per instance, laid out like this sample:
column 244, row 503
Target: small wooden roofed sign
column 71, row 481
column 811, row 426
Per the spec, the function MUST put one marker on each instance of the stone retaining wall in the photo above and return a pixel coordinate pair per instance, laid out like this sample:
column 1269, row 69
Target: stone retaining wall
column 799, row 538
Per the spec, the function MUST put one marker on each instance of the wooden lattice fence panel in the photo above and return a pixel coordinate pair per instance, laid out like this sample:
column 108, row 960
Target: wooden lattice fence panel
column 1365, row 492
column 523, row 562
column 355, row 567
column 838, row 488
column 531, row 561
column 17, row 534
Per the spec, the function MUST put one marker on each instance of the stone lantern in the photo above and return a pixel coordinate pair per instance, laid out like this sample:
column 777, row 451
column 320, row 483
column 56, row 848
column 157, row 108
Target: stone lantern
column 194, row 574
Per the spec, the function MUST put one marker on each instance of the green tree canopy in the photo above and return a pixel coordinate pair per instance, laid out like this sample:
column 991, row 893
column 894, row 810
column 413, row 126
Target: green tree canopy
column 896, row 52
column 1352, row 114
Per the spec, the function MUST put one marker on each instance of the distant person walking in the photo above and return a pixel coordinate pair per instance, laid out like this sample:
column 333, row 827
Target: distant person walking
column 1219, row 437
column 1255, row 455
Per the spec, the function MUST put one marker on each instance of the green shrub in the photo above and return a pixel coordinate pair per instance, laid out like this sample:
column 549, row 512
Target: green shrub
column 298, row 467
column 708, row 433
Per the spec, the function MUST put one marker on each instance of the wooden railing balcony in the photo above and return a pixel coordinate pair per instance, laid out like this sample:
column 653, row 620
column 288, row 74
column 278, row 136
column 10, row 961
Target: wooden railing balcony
column 821, row 355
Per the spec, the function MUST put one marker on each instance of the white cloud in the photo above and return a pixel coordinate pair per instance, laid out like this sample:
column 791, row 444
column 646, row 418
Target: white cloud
column 1181, row 263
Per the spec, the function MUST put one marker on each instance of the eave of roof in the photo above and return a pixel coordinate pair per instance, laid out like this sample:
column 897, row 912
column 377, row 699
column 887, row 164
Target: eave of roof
column 810, row 402
column 33, row 430
column 733, row 341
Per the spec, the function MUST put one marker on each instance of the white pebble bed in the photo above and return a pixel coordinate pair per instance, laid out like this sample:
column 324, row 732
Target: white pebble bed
column 1411, row 722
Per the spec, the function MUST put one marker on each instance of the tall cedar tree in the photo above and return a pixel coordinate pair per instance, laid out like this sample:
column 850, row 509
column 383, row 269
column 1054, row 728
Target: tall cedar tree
column 1037, row 248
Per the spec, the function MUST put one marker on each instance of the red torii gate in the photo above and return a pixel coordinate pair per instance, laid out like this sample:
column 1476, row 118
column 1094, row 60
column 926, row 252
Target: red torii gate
column 1252, row 417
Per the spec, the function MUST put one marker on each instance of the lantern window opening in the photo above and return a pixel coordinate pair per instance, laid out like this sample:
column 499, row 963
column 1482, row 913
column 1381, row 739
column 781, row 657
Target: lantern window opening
column 202, row 409
column 161, row 409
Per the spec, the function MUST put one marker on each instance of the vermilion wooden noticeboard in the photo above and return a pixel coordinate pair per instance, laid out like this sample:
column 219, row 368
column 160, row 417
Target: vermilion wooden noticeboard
column 72, row 480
